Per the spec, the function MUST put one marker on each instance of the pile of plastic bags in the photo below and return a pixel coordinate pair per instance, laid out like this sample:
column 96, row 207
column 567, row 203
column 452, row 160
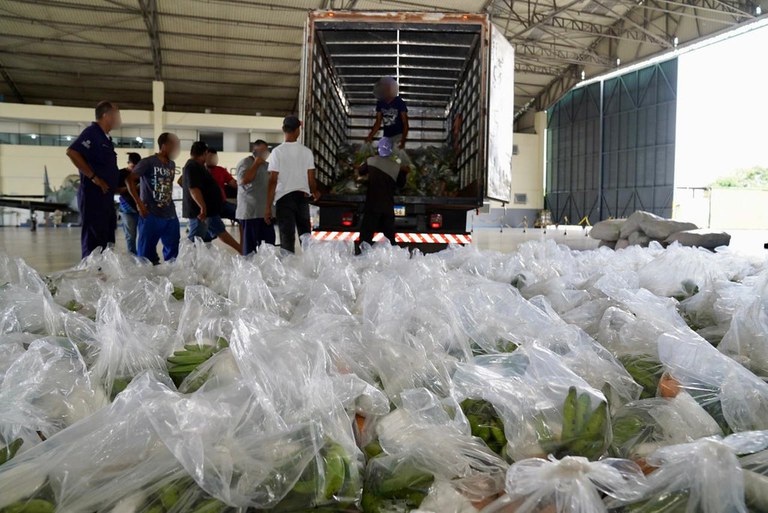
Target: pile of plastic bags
column 541, row 381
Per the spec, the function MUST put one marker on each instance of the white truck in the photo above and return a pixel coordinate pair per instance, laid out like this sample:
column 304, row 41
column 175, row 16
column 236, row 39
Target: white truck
column 456, row 74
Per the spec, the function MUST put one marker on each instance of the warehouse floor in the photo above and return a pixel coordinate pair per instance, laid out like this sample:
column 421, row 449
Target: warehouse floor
column 54, row 249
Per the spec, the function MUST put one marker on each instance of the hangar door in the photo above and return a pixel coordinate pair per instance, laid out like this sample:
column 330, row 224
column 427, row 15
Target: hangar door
column 611, row 147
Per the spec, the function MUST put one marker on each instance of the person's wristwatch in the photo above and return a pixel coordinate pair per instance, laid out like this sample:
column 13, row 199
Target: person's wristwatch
column 93, row 178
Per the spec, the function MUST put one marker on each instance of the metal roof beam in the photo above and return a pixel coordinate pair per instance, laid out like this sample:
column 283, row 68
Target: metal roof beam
column 11, row 84
column 92, row 60
column 566, row 23
column 188, row 35
column 557, row 53
column 149, row 13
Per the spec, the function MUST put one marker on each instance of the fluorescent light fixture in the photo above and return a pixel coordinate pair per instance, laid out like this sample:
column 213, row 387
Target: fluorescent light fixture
column 583, row 75
column 758, row 10
column 139, row 140
column 33, row 136
column 676, row 41
column 69, row 138
column 618, row 62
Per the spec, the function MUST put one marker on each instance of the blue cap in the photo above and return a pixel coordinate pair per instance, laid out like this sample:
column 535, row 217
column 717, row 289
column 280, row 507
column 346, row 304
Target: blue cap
column 385, row 147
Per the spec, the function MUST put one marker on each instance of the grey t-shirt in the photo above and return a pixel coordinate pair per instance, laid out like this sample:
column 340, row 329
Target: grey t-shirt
column 252, row 197
column 156, row 186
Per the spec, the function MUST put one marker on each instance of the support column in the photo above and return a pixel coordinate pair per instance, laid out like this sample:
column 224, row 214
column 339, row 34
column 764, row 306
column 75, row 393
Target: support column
column 158, row 102
column 540, row 126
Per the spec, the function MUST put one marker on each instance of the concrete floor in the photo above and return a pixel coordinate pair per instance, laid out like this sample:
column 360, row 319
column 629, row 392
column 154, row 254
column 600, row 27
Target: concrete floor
column 54, row 249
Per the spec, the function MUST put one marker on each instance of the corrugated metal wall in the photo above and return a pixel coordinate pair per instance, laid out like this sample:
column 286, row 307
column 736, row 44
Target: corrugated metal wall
column 611, row 147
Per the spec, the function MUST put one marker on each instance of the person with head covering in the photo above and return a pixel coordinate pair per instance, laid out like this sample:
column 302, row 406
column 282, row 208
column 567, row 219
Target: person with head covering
column 385, row 176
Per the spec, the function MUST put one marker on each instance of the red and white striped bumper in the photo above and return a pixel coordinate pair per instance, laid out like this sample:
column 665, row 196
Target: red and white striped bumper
column 417, row 238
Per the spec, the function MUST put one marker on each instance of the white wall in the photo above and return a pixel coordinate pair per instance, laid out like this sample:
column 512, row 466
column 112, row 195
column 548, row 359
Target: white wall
column 528, row 171
column 22, row 167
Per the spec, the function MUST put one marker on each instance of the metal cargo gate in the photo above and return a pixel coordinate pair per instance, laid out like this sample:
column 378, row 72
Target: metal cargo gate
column 611, row 147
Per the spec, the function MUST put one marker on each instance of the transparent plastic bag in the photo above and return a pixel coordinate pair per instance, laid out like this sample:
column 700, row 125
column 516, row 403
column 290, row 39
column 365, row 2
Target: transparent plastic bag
column 555, row 412
column 428, row 439
column 704, row 475
column 731, row 394
column 747, row 337
column 569, row 485
column 29, row 311
column 47, row 389
column 93, row 463
column 642, row 427
column 115, row 348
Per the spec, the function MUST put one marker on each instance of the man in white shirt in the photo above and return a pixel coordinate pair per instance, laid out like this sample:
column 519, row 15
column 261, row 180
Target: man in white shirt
column 291, row 180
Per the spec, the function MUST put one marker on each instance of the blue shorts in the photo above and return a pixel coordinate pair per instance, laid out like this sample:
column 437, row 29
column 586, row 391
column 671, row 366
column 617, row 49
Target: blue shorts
column 206, row 230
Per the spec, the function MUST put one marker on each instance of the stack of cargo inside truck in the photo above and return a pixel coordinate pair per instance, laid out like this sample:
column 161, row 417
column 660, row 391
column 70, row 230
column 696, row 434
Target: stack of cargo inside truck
column 455, row 72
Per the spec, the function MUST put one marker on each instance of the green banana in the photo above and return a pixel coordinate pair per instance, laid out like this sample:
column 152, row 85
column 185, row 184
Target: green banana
column 31, row 506
column 183, row 369
column 373, row 449
column 570, row 422
column 498, row 435
column 544, row 436
column 591, row 441
column 583, row 411
column 187, row 360
column 335, row 471
column 8, row 452
column 169, row 496
column 178, row 293
column 210, row 506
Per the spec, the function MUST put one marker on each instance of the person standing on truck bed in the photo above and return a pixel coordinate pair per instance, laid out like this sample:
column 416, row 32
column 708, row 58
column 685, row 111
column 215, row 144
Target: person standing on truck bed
column 385, row 175
column 391, row 113
column 253, row 178
column 291, row 180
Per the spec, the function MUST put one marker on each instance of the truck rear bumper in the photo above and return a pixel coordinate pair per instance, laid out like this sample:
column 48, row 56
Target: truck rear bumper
column 400, row 238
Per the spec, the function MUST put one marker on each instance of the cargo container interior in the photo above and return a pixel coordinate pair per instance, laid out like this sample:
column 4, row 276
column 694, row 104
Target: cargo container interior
column 439, row 70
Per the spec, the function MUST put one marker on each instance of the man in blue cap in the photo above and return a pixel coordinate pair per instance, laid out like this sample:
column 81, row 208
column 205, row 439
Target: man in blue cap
column 94, row 156
column 385, row 176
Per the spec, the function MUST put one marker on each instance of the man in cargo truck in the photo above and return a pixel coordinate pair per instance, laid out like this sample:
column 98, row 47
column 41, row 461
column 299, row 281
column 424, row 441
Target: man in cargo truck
column 291, row 180
column 391, row 113
column 385, row 175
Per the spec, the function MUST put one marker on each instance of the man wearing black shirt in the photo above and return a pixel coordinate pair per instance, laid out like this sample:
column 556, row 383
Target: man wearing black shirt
column 128, row 212
column 202, row 202
column 385, row 176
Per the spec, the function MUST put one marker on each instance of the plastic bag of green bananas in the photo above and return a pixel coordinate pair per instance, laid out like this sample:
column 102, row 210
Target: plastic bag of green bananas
column 705, row 476
column 642, row 427
column 94, row 463
column 428, row 438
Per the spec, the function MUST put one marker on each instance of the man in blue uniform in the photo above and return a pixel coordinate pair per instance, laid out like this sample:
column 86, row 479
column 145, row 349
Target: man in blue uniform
column 94, row 156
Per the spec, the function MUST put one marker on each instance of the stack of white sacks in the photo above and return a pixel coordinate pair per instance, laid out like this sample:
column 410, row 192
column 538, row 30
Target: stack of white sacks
column 641, row 228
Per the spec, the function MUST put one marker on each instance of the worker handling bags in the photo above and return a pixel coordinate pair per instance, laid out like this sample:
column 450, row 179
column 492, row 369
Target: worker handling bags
column 392, row 115
column 385, row 175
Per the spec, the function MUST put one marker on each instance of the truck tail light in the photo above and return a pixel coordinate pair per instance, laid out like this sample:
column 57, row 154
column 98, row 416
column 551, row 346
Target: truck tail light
column 347, row 218
column 436, row 221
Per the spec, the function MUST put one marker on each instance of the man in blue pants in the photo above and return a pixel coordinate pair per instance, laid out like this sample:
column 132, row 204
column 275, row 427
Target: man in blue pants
column 94, row 156
column 154, row 201
column 127, row 205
